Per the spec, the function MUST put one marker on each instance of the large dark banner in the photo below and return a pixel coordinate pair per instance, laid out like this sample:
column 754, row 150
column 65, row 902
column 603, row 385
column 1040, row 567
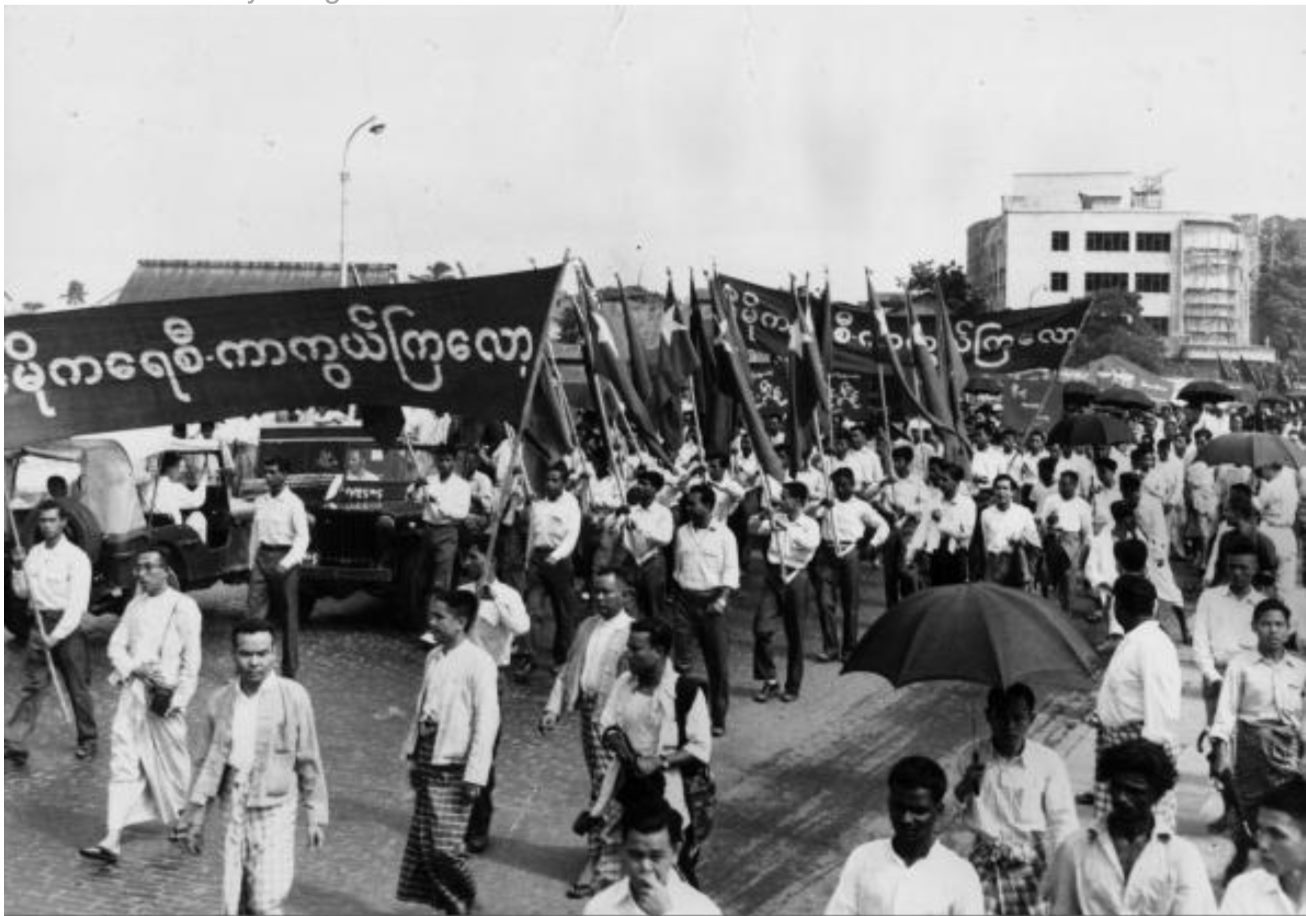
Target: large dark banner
column 465, row 346
column 1011, row 341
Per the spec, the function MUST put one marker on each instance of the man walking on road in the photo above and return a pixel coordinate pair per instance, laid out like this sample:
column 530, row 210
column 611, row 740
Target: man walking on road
column 1278, row 886
column 1222, row 623
column 261, row 786
column 55, row 578
column 911, row 872
column 155, row 653
column 551, row 541
column 278, row 542
column 447, row 500
column 848, row 525
column 646, row 530
column 794, row 539
column 449, row 748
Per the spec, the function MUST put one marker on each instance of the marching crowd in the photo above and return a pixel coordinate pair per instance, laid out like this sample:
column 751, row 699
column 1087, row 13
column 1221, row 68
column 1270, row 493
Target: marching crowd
column 632, row 564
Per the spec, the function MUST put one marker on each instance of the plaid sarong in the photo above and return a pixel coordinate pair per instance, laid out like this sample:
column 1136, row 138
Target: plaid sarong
column 1265, row 755
column 1010, row 875
column 597, row 759
column 258, row 854
column 1166, row 810
column 434, row 870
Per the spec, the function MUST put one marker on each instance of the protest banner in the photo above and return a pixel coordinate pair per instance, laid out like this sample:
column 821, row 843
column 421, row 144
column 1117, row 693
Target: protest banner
column 467, row 346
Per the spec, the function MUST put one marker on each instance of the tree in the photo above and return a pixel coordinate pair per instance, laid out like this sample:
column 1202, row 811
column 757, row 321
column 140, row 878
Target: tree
column 1279, row 312
column 1115, row 325
column 440, row 270
column 75, row 294
column 961, row 296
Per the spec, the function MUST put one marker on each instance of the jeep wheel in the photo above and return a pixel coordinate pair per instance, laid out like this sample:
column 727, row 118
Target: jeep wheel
column 409, row 592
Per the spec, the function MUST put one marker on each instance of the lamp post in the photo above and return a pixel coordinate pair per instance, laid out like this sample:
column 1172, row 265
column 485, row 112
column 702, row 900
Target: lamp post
column 372, row 126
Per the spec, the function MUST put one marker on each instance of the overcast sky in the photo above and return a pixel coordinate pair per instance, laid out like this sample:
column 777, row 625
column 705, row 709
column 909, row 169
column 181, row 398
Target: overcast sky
column 766, row 139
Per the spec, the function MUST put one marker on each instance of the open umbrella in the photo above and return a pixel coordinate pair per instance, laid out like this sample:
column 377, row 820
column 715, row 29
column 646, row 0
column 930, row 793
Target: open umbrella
column 1251, row 450
column 1206, row 391
column 1127, row 398
column 979, row 632
column 1078, row 390
column 984, row 384
column 1090, row 429
column 1271, row 398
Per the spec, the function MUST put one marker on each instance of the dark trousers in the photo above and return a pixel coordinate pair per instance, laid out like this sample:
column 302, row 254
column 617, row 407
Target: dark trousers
column 898, row 581
column 782, row 604
column 442, row 551
column 837, row 590
column 557, row 583
column 694, row 622
column 511, row 548
column 275, row 594
column 949, row 567
column 650, row 580
column 478, row 825
column 72, row 659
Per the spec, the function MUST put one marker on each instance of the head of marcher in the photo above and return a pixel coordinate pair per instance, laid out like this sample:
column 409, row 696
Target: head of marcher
column 917, row 786
column 950, row 477
column 857, row 436
column 1035, row 442
column 555, row 480
column 1047, row 470
column 793, row 497
column 1009, row 441
column 56, row 486
column 1281, row 833
column 1269, row 470
column 1004, row 491
column 474, row 562
column 1241, row 563
column 648, row 484
column 51, row 520
column 171, row 465
column 842, row 481
column 274, row 474
column 1131, row 556
column 450, row 616
column 1131, row 488
column 1010, row 713
column 1106, row 473
column 700, row 501
column 608, row 592
column 902, row 458
column 1137, row 773
column 151, row 570
column 444, row 461
column 651, row 834
column 1135, row 600
column 1068, row 484
column 1143, row 459
column 716, row 465
column 980, row 437
column 842, row 445
column 1272, row 622
column 253, row 644
column 647, row 649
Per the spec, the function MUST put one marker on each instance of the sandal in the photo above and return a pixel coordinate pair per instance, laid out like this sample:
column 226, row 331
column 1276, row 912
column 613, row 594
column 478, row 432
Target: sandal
column 579, row 890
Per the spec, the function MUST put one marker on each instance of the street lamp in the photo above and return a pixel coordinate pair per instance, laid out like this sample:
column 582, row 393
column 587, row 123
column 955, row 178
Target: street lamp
column 375, row 127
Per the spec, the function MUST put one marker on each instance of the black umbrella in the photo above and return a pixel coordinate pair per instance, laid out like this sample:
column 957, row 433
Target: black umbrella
column 1082, row 390
column 983, row 384
column 980, row 632
column 1126, row 398
column 1090, row 429
column 1252, row 450
column 1206, row 391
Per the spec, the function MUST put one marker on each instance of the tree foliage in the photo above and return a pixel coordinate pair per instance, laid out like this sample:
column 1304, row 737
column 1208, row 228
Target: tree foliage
column 1115, row 325
column 1279, row 312
column 957, row 290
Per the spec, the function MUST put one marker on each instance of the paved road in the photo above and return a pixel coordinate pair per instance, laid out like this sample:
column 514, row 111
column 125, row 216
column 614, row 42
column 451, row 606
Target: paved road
column 800, row 784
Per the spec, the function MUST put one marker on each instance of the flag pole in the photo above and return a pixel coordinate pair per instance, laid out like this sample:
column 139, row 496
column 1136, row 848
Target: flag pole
column 582, row 312
column 1056, row 376
column 693, row 395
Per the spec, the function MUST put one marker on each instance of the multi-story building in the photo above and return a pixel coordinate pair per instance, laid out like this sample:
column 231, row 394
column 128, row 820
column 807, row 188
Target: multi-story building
column 1063, row 235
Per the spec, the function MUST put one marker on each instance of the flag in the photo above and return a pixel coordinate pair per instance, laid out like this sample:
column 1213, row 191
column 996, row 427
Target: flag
column 675, row 366
column 1225, row 374
column 548, row 436
column 639, row 373
column 885, row 345
column 1247, row 373
column 808, row 392
column 604, row 360
column 732, row 358
column 716, row 409
column 932, row 384
column 954, row 370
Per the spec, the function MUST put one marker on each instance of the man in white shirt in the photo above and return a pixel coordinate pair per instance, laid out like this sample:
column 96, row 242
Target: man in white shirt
column 1141, row 689
column 1170, row 466
column 1222, row 623
column 550, row 543
column 1149, row 515
column 55, row 578
column 596, row 658
column 1202, row 495
column 794, row 538
column 652, row 835
column 450, row 750
column 1278, row 886
column 1277, row 498
column 1067, row 524
column 1009, row 530
column 944, row 537
column 1027, row 465
column 907, row 501
column 647, row 527
column 987, row 463
column 706, row 573
column 1106, row 490
column 169, row 496
column 447, row 500
column 1130, row 861
column 848, row 526
column 869, row 469
column 911, row 872
column 278, row 541
column 1018, row 803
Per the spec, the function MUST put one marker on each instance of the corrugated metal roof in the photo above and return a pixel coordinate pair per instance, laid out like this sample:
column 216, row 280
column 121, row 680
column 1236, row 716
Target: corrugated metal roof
column 155, row 280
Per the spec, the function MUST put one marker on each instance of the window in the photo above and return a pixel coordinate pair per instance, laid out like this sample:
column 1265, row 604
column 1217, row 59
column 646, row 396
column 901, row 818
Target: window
column 1060, row 241
column 1060, row 282
column 1152, row 241
column 1151, row 283
column 1095, row 282
column 1160, row 325
column 1106, row 241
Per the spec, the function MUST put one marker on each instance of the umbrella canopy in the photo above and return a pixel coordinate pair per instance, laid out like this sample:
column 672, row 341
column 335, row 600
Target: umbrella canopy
column 1251, row 450
column 1272, row 398
column 1206, row 391
column 979, row 632
column 983, row 384
column 1128, row 398
column 1090, row 429
column 1078, row 390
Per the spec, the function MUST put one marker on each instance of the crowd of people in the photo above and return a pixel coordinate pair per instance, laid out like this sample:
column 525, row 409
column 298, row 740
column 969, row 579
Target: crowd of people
column 612, row 573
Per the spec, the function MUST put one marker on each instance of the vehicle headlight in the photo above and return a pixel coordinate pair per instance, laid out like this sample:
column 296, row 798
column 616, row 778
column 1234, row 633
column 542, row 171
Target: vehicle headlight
column 385, row 521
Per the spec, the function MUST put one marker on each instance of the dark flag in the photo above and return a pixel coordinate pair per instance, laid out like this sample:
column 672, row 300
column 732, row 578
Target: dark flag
column 716, row 409
column 639, row 373
column 548, row 434
column 1225, row 374
column 732, row 359
column 676, row 364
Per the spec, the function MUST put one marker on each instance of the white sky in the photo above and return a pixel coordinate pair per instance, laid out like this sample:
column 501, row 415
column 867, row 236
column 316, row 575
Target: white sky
column 768, row 139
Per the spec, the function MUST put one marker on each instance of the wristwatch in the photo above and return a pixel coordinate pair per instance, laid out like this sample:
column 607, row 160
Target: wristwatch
column 664, row 762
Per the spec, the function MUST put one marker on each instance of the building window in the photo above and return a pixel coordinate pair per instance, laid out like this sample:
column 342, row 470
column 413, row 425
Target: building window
column 1152, row 241
column 1096, row 282
column 1159, row 325
column 1151, row 283
column 1060, row 241
column 1106, row 241
column 1060, row 282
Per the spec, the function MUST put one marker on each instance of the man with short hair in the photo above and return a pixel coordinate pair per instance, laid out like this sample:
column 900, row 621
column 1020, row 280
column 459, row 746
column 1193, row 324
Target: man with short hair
column 647, row 528
column 944, row 537
column 1018, row 803
column 1105, row 492
column 906, row 500
column 1222, row 623
column 1008, row 530
column 1278, row 886
column 987, row 463
column 596, row 658
column 869, row 469
column 848, row 526
column 278, row 541
column 550, row 542
column 1067, row 524
column 794, row 538
column 167, row 495
column 1149, row 516
column 55, row 578
column 1130, row 861
column 261, row 790
column 450, row 751
column 446, row 498
column 652, row 835
column 706, row 574
column 911, row 872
